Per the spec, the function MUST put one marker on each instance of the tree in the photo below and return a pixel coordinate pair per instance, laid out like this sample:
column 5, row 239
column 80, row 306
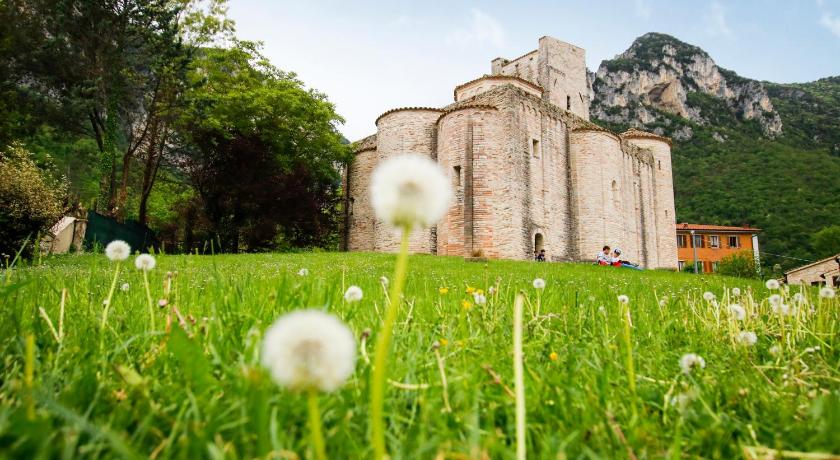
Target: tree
column 261, row 151
column 740, row 264
column 826, row 242
column 30, row 200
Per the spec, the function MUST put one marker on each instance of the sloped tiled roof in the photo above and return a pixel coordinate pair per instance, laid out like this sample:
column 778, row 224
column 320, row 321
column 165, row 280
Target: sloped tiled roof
column 638, row 133
column 716, row 228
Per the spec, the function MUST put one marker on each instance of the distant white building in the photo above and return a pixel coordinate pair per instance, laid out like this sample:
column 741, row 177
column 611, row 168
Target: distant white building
column 66, row 233
column 825, row 272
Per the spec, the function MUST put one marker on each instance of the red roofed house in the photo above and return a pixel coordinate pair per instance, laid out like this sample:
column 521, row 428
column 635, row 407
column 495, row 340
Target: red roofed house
column 713, row 243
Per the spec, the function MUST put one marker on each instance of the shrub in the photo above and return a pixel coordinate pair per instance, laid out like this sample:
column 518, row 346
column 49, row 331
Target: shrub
column 30, row 200
column 740, row 264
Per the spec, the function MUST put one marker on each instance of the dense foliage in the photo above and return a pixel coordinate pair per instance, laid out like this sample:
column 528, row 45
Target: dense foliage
column 194, row 388
column 730, row 173
column 146, row 106
column 30, row 200
column 740, row 264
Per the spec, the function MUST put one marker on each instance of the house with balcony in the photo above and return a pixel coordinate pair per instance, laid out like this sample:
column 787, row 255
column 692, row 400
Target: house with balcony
column 708, row 244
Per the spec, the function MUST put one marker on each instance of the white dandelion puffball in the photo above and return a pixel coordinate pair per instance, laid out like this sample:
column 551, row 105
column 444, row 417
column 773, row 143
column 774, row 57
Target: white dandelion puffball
column 410, row 191
column 309, row 349
column 117, row 250
column 782, row 309
column 353, row 294
column 491, row 290
column 772, row 284
column 623, row 299
column 383, row 280
column 144, row 262
column 736, row 292
column 774, row 300
column 539, row 283
column 798, row 297
column 303, row 272
column 827, row 292
column 708, row 296
column 691, row 361
column 602, row 310
column 125, row 287
column 775, row 350
column 737, row 312
column 479, row 299
column 747, row 338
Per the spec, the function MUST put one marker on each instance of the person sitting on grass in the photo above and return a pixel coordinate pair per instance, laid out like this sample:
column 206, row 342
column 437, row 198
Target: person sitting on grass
column 603, row 257
column 617, row 262
column 541, row 256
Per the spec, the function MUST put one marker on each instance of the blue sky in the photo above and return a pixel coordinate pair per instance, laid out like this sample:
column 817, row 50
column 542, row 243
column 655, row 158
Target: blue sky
column 369, row 57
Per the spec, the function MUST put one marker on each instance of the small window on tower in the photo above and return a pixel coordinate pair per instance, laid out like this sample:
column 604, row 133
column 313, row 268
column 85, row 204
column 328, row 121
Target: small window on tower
column 535, row 148
column 659, row 163
column 350, row 206
column 456, row 171
column 568, row 102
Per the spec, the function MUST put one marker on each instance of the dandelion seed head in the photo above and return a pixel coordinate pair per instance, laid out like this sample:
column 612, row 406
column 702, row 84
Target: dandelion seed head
column 117, row 250
column 303, row 272
column 309, row 349
column 623, row 299
column 708, row 296
column 782, row 309
column 145, row 262
column 353, row 294
column 775, row 350
column 479, row 299
column 410, row 191
column 737, row 312
column 736, row 292
column 691, row 361
column 539, row 283
column 798, row 297
column 125, row 287
column 827, row 292
column 775, row 300
column 383, row 280
column 747, row 338
column 772, row 284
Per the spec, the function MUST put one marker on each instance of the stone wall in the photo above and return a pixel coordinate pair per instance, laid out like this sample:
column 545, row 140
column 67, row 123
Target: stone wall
column 400, row 132
column 810, row 274
column 360, row 217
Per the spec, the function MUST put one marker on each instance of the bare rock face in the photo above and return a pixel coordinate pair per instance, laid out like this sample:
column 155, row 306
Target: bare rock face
column 660, row 73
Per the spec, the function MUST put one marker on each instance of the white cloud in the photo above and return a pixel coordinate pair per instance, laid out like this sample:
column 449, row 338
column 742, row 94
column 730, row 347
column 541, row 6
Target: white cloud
column 831, row 23
column 716, row 24
column 482, row 28
column 642, row 8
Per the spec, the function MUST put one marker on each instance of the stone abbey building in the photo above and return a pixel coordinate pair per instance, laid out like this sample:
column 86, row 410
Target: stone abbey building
column 528, row 169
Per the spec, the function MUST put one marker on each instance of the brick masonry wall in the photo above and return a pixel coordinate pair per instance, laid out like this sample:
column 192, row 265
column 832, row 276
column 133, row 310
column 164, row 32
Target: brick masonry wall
column 409, row 131
column 812, row 274
column 361, row 218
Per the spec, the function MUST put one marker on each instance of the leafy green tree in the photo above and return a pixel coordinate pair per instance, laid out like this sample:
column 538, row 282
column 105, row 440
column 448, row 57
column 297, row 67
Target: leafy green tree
column 30, row 199
column 261, row 151
column 740, row 264
column 826, row 242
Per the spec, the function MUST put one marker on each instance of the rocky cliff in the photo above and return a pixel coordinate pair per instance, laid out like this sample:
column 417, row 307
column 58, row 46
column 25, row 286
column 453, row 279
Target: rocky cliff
column 660, row 75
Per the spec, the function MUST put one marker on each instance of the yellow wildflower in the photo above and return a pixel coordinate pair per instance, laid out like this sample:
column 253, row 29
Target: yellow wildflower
column 479, row 291
column 553, row 356
column 466, row 304
column 470, row 289
column 443, row 290
column 443, row 342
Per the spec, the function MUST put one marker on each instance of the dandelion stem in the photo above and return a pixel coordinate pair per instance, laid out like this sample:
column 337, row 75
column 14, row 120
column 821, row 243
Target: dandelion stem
column 315, row 425
column 29, row 376
column 380, row 357
column 518, row 371
column 149, row 299
column 108, row 307
column 628, row 360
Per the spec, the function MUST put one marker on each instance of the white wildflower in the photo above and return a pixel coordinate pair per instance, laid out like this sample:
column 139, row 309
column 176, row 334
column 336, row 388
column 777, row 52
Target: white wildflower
column 144, row 262
column 303, row 272
column 772, row 284
column 736, row 292
column 117, row 250
column 810, row 350
column 663, row 302
column 491, row 290
column 691, row 361
column 125, row 287
column 479, row 299
column 708, row 296
column 539, row 283
column 775, row 300
column 353, row 294
column 747, row 338
column 827, row 292
column 737, row 312
column 602, row 310
column 798, row 297
column 782, row 309
column 383, row 280
column 409, row 191
column 775, row 350
column 623, row 299
column 309, row 349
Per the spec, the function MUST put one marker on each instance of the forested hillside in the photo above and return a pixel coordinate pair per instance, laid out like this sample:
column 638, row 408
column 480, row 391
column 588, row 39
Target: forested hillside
column 745, row 152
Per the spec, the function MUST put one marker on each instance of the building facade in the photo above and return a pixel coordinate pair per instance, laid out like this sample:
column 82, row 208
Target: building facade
column 824, row 272
column 528, row 169
column 708, row 244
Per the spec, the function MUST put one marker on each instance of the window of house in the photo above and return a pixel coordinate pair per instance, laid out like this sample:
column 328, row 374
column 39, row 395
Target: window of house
column 818, row 283
column 734, row 242
column 698, row 242
column 714, row 241
column 535, row 148
column 456, row 175
column 681, row 265
column 682, row 241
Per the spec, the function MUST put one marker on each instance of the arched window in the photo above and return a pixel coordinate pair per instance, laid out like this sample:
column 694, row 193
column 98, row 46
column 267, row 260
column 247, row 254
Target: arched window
column 538, row 242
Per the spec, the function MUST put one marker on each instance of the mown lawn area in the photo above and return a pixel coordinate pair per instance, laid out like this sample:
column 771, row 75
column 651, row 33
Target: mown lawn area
column 194, row 388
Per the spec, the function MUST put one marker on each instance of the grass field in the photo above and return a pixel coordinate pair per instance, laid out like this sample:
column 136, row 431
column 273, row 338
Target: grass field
column 197, row 390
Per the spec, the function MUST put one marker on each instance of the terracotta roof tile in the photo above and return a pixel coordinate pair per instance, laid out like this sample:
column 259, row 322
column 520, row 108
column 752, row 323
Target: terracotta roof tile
column 718, row 228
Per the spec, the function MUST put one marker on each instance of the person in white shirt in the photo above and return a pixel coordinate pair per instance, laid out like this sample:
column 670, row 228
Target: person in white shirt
column 603, row 257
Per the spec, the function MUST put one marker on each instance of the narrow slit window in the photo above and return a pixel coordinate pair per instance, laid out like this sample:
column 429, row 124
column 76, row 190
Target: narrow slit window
column 568, row 102
column 456, row 175
column 535, row 148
